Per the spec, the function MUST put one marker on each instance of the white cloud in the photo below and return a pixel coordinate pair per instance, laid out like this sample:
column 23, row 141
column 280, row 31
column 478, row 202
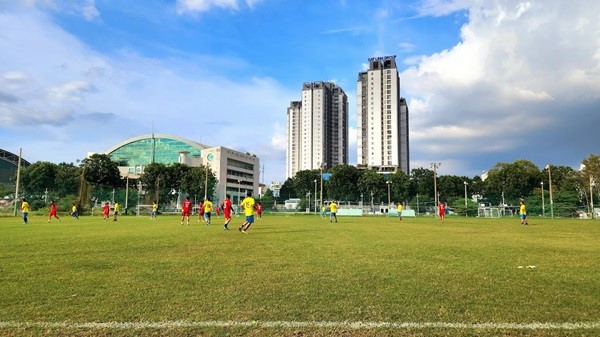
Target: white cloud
column 518, row 66
column 198, row 6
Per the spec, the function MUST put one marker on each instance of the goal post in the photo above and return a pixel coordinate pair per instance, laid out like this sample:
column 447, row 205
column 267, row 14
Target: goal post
column 143, row 210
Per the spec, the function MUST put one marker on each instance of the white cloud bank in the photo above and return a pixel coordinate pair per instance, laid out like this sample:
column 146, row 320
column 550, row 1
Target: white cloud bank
column 521, row 84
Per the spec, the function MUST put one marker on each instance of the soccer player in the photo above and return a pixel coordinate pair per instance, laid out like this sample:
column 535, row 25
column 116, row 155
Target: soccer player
column 208, row 206
column 116, row 208
column 154, row 211
column 441, row 211
column 106, row 211
column 323, row 212
column 24, row 210
column 523, row 212
column 333, row 210
column 186, row 208
column 226, row 205
column 74, row 212
column 248, row 207
column 200, row 211
column 53, row 211
column 400, row 209
column 259, row 210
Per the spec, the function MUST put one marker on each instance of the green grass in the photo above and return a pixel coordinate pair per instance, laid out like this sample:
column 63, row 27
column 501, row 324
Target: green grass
column 302, row 269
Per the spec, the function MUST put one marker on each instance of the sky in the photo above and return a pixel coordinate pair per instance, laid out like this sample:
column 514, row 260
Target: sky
column 486, row 81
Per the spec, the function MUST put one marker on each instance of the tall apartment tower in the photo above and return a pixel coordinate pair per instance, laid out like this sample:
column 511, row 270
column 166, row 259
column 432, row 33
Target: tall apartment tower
column 317, row 128
column 382, row 121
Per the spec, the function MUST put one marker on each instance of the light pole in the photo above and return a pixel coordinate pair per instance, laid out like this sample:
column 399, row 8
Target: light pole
column 372, row 207
column 113, row 196
column 316, row 212
column 388, row 184
column 592, row 184
column 239, row 191
column 361, row 200
column 543, row 201
column 321, row 195
column 308, row 203
column 435, row 166
column 550, row 188
column 466, row 207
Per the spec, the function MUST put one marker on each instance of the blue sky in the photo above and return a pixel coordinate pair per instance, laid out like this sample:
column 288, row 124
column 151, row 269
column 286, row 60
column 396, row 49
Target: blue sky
column 486, row 81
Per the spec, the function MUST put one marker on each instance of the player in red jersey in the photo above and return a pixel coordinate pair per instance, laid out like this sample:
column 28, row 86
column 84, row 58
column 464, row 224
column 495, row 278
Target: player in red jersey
column 186, row 209
column 52, row 211
column 259, row 210
column 226, row 205
column 200, row 211
column 441, row 211
column 106, row 211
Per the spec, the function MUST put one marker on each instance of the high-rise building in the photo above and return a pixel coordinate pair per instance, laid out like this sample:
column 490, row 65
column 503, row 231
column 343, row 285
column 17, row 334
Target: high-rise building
column 382, row 121
column 317, row 128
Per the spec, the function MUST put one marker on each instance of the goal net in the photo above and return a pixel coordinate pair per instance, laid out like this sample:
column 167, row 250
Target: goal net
column 143, row 210
column 489, row 212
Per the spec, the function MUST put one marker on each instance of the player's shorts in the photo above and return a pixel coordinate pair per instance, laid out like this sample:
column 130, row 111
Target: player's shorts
column 24, row 214
column 154, row 212
column 400, row 214
column 523, row 216
column 207, row 215
column 332, row 214
column 52, row 213
column 250, row 218
column 185, row 213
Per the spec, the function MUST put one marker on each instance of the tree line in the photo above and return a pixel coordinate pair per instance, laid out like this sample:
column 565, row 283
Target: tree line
column 505, row 184
column 98, row 178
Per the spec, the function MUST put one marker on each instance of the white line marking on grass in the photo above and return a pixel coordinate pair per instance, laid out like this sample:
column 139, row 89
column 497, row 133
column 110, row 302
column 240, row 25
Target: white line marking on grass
column 299, row 324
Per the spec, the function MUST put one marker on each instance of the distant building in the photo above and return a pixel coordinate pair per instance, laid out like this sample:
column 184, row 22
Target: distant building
column 8, row 167
column 382, row 121
column 317, row 128
column 237, row 172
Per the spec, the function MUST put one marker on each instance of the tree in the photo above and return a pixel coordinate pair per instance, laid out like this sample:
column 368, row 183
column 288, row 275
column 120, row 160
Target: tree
column 509, row 182
column 38, row 177
column 100, row 170
column 304, row 182
column 194, row 181
column 342, row 183
column 371, row 181
column 450, row 186
column 287, row 190
column 400, row 186
column 421, row 184
column 66, row 181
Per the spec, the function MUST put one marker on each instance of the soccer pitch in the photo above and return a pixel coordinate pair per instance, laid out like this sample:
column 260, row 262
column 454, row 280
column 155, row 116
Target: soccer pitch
column 300, row 275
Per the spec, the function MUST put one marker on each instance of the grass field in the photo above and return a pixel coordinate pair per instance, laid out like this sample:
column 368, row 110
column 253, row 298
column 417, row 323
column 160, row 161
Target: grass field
column 300, row 276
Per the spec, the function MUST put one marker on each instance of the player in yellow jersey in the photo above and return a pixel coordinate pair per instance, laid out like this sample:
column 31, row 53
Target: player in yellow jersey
column 116, row 210
column 523, row 212
column 24, row 210
column 154, row 211
column 208, row 206
column 248, row 207
column 333, row 211
column 400, row 208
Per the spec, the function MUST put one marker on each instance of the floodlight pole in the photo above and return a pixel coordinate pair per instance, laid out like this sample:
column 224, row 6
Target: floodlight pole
column 389, row 199
column 550, row 189
column 591, row 196
column 18, row 180
column 435, row 166
column 466, row 206
column 543, row 202
column 316, row 196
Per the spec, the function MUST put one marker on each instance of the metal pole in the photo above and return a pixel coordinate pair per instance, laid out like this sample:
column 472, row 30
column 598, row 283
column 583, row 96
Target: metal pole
column 592, row 196
column 435, row 166
column 316, row 212
column 389, row 200
column 543, row 202
column 466, row 206
column 18, row 180
column 321, row 197
column 550, row 187
column 126, row 192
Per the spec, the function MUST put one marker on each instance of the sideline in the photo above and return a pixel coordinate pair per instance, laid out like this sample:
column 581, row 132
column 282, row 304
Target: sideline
column 299, row 324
